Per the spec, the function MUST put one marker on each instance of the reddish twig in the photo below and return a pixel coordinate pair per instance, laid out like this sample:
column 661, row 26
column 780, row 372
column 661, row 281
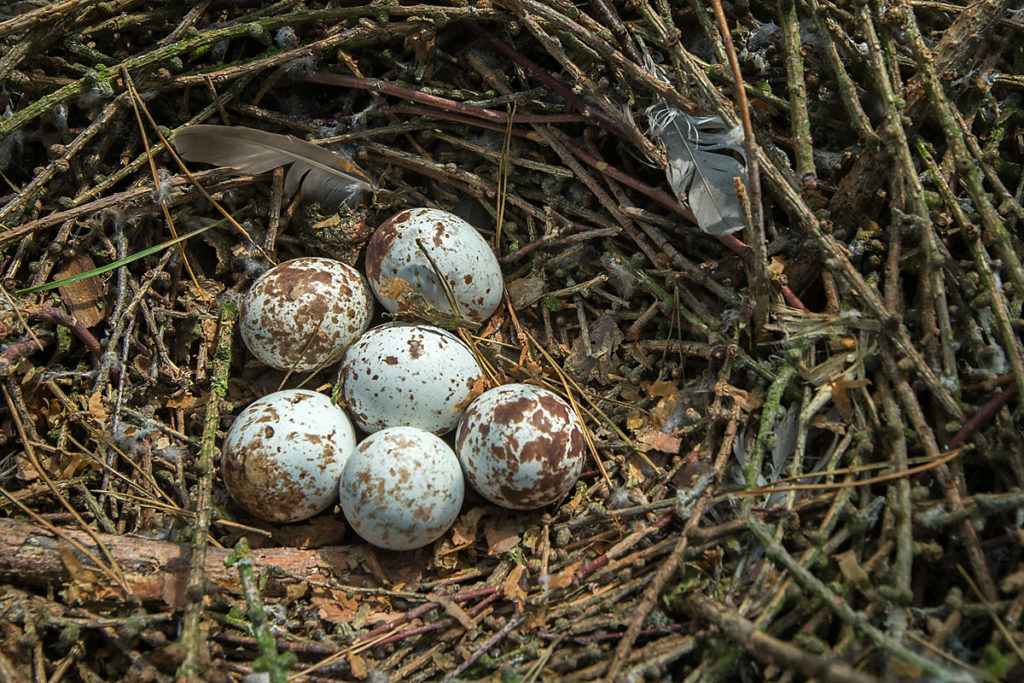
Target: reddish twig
column 981, row 417
column 488, row 644
column 655, row 193
column 520, row 117
column 605, row 637
column 547, row 79
column 19, row 350
column 61, row 318
column 423, row 609
column 387, row 88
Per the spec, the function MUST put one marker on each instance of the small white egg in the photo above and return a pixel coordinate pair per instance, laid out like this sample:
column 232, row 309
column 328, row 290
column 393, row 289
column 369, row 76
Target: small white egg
column 521, row 446
column 404, row 246
column 283, row 456
column 402, row 488
column 408, row 375
column 304, row 313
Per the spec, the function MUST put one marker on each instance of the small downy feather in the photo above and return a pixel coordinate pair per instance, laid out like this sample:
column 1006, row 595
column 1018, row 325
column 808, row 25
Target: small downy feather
column 321, row 175
column 700, row 167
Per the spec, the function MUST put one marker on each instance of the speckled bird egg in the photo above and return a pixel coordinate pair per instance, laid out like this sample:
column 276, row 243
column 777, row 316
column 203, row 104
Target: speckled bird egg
column 408, row 375
column 521, row 446
column 304, row 313
column 402, row 488
column 284, row 454
column 404, row 246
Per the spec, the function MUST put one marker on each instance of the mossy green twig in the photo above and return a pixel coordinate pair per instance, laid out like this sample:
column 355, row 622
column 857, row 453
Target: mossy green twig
column 771, row 410
column 195, row 590
column 269, row 661
column 101, row 75
column 900, row 505
column 800, row 122
column 996, row 296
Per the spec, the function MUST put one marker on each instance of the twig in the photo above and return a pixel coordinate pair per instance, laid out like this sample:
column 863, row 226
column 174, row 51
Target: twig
column 843, row 610
column 269, row 661
column 800, row 124
column 668, row 568
column 192, row 633
column 981, row 418
column 766, row 648
column 945, row 478
column 61, row 318
column 487, row 645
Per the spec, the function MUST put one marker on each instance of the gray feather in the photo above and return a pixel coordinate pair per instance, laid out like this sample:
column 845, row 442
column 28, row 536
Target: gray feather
column 321, row 175
column 700, row 166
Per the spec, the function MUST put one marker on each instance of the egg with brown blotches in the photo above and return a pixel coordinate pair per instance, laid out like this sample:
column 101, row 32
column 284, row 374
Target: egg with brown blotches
column 284, row 454
column 402, row 488
column 302, row 314
column 408, row 375
column 417, row 245
column 521, row 446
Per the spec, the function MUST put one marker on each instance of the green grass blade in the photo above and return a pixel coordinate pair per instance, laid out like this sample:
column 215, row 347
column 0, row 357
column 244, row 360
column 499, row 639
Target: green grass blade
column 117, row 264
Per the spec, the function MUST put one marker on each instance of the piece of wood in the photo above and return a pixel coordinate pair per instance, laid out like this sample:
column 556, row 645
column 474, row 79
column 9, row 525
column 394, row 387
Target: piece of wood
column 84, row 299
column 154, row 570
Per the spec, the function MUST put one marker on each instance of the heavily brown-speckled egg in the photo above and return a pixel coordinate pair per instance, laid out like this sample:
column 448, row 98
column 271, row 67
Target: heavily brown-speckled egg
column 521, row 446
column 404, row 246
column 284, row 454
column 408, row 375
column 402, row 488
column 304, row 313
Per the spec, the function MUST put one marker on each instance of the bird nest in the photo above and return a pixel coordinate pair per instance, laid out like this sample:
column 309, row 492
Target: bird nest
column 771, row 254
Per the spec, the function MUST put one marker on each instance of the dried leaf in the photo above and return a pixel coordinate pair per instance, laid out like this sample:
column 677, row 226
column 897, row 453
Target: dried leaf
column 850, row 568
column 1013, row 583
column 83, row 581
column 840, row 397
column 405, row 568
column 97, row 409
column 566, row 576
column 332, row 610
column 525, row 291
column 745, row 400
column 511, row 588
column 464, row 530
column 662, row 389
column 314, row 533
column 479, row 386
column 502, row 535
column 453, row 610
column 185, row 401
column 358, row 665
column 655, row 439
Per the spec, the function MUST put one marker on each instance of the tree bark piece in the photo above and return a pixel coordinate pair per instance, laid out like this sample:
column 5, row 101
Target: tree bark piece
column 155, row 570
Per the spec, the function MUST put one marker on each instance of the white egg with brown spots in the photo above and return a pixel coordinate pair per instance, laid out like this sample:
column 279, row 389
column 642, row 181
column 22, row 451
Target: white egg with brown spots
column 302, row 314
column 402, row 488
column 408, row 375
column 284, row 454
column 418, row 244
column 521, row 446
